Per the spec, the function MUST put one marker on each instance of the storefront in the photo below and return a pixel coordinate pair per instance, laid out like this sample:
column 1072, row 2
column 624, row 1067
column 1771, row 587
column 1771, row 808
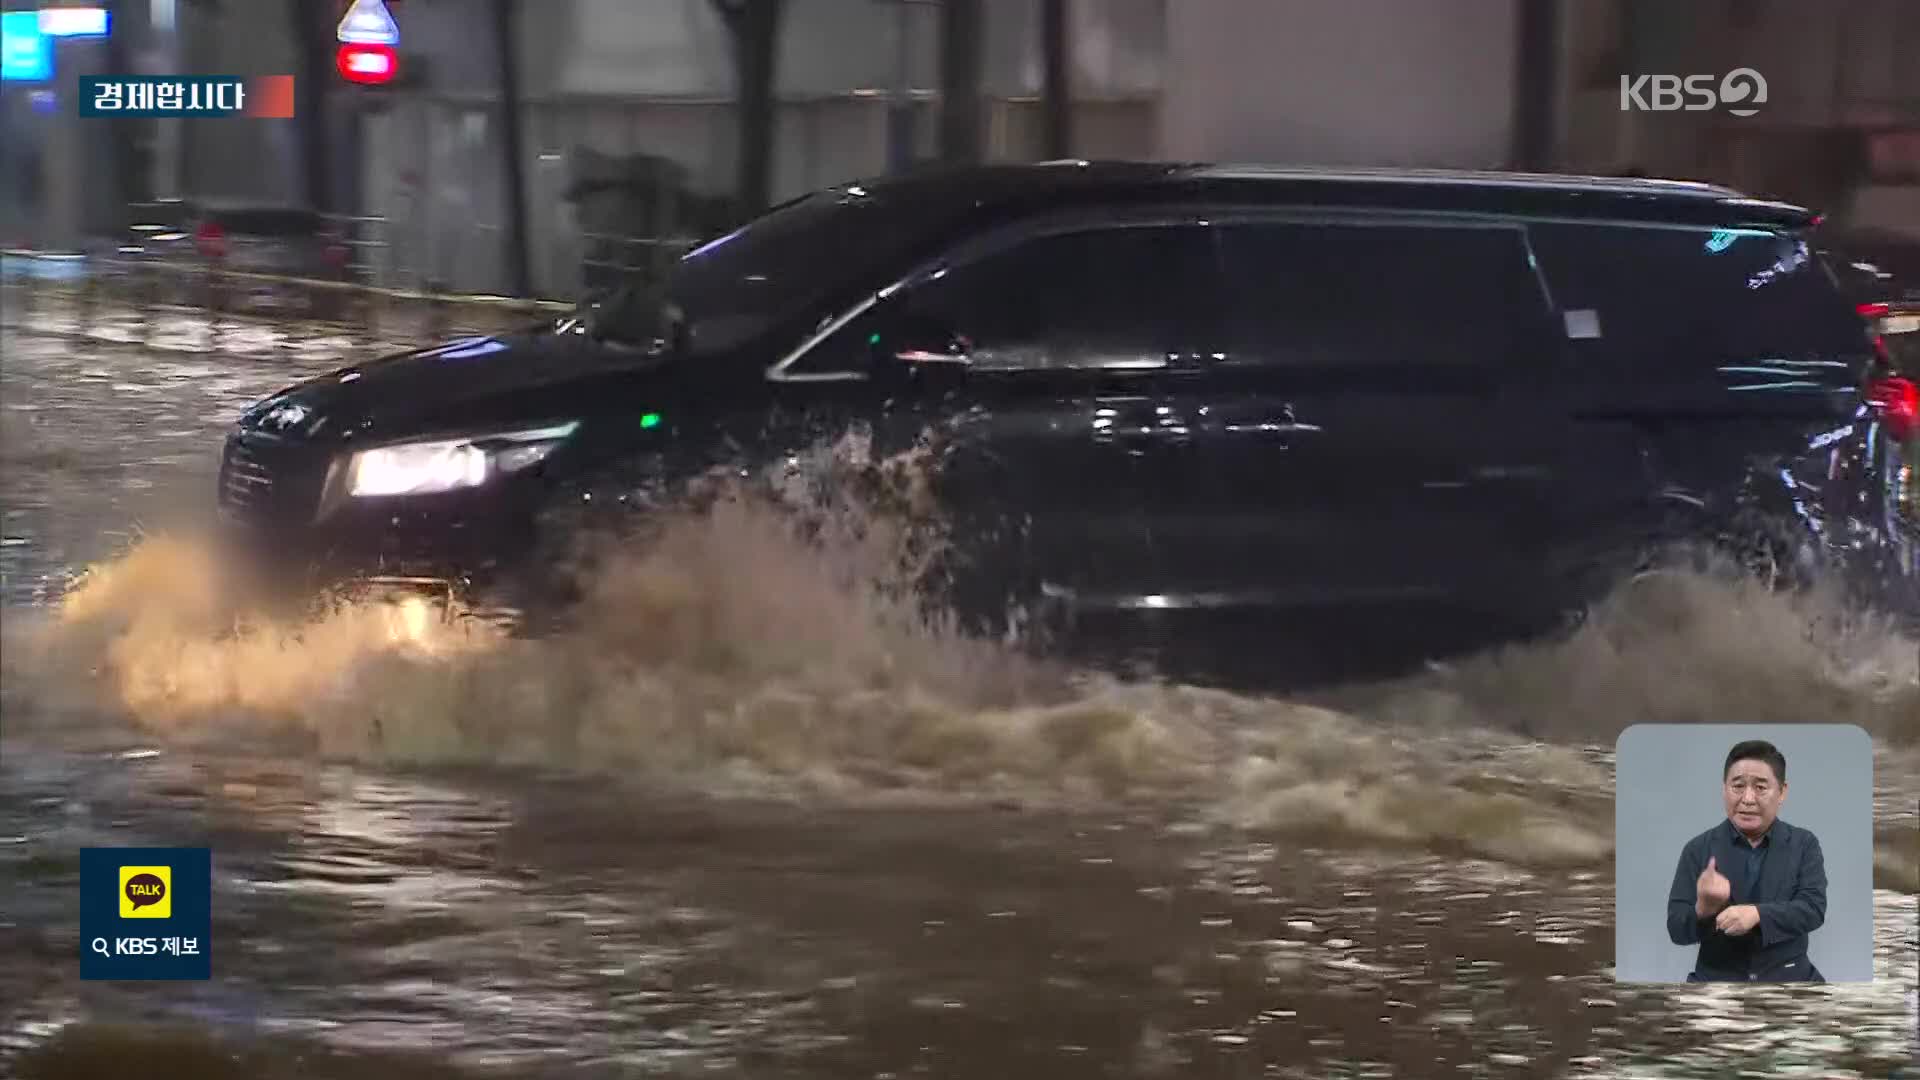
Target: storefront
column 58, row 175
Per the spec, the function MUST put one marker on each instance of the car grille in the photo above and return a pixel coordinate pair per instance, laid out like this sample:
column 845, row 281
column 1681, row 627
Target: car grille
column 245, row 483
column 263, row 483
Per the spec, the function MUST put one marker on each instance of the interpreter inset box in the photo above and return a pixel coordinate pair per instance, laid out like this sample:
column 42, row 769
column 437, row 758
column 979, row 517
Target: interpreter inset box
column 1743, row 853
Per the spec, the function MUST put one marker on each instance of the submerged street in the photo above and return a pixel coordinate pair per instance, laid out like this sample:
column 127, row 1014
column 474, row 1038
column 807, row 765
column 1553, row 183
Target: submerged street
column 745, row 823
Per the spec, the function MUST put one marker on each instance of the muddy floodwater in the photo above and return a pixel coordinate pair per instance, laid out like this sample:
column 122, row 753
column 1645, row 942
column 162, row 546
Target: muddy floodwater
column 757, row 823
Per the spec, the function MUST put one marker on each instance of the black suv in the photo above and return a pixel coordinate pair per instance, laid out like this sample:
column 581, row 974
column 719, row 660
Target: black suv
column 1162, row 387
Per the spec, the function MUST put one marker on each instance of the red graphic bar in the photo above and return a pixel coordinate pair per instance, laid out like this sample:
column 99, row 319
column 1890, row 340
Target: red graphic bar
column 270, row 97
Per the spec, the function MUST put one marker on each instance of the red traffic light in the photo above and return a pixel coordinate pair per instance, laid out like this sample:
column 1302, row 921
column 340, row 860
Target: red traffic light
column 368, row 65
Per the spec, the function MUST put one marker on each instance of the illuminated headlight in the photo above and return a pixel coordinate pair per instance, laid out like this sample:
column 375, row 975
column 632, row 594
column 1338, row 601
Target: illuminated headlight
column 421, row 468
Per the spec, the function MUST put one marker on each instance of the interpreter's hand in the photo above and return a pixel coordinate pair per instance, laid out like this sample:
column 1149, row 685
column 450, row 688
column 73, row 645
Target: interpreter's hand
column 1738, row 919
column 1711, row 891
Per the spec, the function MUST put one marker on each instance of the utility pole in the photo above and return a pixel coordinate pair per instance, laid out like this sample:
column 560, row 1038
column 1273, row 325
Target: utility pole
column 1057, row 91
column 517, row 268
column 164, row 19
column 960, row 57
column 132, row 139
column 900, row 101
column 754, row 27
column 313, row 49
column 1536, row 84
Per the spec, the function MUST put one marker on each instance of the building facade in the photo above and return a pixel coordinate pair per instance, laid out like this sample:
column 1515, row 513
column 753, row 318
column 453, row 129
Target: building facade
column 616, row 97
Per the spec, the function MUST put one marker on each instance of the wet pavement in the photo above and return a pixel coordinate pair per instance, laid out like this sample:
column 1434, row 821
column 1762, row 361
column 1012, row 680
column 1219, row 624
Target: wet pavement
column 536, row 927
column 773, row 877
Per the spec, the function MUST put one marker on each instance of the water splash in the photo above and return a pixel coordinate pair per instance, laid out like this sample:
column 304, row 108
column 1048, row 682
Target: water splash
column 1696, row 641
column 742, row 648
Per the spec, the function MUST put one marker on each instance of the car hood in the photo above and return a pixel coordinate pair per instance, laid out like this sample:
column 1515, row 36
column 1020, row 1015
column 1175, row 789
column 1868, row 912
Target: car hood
column 461, row 384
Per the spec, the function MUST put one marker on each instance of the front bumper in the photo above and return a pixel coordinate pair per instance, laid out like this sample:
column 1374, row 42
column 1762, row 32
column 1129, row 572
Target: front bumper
column 284, row 526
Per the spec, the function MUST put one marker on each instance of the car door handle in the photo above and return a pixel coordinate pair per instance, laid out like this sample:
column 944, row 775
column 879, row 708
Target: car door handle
column 1137, row 438
column 1140, row 423
column 1275, row 426
column 1512, row 472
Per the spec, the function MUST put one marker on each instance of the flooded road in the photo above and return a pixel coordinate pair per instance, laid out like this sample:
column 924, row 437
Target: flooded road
column 694, row 839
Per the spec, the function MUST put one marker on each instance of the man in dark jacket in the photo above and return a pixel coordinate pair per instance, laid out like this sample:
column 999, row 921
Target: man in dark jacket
column 1749, row 890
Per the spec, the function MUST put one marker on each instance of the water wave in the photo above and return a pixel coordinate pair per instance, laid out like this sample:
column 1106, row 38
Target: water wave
column 742, row 649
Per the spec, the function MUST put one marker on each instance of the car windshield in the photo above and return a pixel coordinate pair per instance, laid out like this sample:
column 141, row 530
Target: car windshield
column 732, row 289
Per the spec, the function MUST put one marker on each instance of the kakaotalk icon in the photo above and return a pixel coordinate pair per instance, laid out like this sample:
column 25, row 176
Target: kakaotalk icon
column 145, row 892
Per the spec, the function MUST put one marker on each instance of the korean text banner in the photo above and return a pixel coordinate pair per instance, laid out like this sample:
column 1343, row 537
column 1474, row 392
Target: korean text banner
column 254, row 96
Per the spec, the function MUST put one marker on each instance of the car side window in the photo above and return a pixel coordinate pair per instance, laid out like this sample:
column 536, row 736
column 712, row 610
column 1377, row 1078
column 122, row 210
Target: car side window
column 1111, row 297
column 1380, row 296
column 1666, row 297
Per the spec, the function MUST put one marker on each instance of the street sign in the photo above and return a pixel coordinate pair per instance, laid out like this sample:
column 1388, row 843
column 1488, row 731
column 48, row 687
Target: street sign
column 368, row 22
column 26, row 54
column 368, row 65
column 73, row 22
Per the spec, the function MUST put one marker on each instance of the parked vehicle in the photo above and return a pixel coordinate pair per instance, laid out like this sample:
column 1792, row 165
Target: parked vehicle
column 1161, row 388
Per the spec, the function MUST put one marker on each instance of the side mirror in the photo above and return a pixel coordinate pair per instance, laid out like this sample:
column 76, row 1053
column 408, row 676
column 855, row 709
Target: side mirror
column 633, row 318
column 914, row 342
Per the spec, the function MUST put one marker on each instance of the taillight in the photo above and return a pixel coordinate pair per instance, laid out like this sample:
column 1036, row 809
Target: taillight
column 211, row 239
column 1872, row 314
column 1897, row 400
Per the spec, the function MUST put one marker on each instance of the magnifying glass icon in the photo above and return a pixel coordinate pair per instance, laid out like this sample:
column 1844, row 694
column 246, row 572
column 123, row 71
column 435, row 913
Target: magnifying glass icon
column 100, row 946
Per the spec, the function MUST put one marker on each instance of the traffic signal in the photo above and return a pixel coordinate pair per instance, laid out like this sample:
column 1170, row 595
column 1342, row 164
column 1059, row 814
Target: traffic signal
column 368, row 65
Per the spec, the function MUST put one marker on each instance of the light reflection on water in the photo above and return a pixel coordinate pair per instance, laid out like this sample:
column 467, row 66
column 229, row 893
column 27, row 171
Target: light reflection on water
column 96, row 437
column 528, row 924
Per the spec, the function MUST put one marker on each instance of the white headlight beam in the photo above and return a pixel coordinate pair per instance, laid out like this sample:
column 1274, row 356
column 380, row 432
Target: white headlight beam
column 421, row 468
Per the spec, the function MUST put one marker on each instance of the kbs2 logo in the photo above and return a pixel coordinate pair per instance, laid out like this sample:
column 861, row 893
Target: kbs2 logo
column 1739, row 90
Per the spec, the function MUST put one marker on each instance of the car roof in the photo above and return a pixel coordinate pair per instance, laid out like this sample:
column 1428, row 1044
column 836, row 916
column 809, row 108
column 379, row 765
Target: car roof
column 1064, row 183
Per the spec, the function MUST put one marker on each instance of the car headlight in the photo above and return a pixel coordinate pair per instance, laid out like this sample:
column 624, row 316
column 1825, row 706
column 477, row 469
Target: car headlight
column 420, row 468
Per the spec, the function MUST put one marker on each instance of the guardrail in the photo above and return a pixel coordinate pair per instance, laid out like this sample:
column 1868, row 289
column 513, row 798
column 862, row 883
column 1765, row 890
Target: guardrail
column 606, row 256
column 202, row 306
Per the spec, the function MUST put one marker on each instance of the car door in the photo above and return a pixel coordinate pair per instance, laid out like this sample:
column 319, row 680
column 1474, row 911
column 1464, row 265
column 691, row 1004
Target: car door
column 1370, row 415
column 1057, row 337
